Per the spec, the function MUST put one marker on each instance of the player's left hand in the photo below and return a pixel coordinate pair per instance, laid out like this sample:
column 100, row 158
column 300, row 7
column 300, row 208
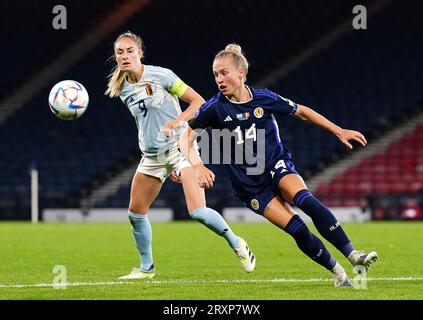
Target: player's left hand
column 174, row 177
column 346, row 135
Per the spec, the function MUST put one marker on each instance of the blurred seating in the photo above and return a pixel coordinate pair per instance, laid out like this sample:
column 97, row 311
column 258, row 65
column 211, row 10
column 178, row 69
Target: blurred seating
column 397, row 170
column 32, row 42
column 363, row 82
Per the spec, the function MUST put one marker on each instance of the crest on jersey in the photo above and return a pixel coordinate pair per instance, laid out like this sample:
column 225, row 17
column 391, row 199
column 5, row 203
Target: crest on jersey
column 258, row 112
column 243, row 116
column 148, row 90
column 255, row 204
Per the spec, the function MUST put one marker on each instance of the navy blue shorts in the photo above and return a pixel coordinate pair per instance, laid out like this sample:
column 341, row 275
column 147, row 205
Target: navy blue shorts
column 258, row 202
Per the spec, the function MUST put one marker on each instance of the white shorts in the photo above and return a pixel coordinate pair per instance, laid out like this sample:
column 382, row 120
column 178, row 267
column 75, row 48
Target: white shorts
column 162, row 167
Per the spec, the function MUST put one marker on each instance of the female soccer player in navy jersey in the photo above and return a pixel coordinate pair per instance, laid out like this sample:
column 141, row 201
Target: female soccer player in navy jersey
column 249, row 114
column 151, row 94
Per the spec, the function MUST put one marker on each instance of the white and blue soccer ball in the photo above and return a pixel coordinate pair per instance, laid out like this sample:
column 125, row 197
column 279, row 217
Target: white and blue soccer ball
column 68, row 100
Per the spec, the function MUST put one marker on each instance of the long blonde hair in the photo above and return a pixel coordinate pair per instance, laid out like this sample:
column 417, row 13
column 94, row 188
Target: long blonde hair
column 235, row 51
column 117, row 77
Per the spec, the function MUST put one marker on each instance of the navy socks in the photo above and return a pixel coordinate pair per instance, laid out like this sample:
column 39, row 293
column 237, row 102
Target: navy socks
column 311, row 245
column 324, row 220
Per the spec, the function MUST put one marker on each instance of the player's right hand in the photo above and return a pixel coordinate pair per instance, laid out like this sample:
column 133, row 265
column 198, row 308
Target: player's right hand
column 169, row 128
column 174, row 177
column 205, row 177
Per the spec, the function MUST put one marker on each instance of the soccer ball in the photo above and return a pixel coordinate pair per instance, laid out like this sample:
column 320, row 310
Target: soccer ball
column 68, row 100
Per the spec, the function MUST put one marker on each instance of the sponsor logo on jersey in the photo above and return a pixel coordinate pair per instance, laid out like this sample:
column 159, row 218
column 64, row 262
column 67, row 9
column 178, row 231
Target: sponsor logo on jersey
column 243, row 116
column 227, row 119
column 258, row 112
column 255, row 204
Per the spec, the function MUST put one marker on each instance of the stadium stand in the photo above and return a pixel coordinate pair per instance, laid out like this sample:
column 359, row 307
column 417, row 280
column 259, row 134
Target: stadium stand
column 28, row 48
column 355, row 82
column 394, row 171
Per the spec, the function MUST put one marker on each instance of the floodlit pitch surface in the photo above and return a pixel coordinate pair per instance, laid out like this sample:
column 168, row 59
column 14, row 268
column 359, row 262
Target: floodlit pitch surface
column 84, row 261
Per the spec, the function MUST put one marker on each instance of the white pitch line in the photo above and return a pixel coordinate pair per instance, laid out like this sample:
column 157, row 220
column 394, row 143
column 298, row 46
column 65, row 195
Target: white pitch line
column 182, row 281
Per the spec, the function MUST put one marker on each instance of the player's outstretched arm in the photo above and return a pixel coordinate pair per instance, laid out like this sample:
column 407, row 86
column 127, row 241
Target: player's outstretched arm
column 345, row 135
column 205, row 176
column 194, row 101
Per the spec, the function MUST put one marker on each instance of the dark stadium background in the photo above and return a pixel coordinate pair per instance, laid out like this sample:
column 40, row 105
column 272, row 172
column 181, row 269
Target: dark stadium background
column 368, row 79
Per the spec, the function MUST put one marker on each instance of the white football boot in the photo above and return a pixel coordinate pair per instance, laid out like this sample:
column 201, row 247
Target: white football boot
column 246, row 256
column 360, row 258
column 136, row 273
column 340, row 276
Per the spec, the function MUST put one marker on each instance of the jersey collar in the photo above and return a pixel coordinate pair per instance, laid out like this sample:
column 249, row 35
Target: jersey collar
column 242, row 102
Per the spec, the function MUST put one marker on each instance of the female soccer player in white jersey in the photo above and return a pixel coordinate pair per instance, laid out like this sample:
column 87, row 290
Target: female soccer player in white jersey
column 151, row 94
column 246, row 112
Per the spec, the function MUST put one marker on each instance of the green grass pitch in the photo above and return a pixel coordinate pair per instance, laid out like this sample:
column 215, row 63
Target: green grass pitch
column 193, row 263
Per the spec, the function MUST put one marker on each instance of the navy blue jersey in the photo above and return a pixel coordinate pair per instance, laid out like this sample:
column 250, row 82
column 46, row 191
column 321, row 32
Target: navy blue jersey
column 253, row 127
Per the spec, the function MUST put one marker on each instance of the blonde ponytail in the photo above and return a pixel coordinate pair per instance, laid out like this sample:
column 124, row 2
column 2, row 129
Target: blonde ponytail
column 117, row 77
column 235, row 51
column 116, row 81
